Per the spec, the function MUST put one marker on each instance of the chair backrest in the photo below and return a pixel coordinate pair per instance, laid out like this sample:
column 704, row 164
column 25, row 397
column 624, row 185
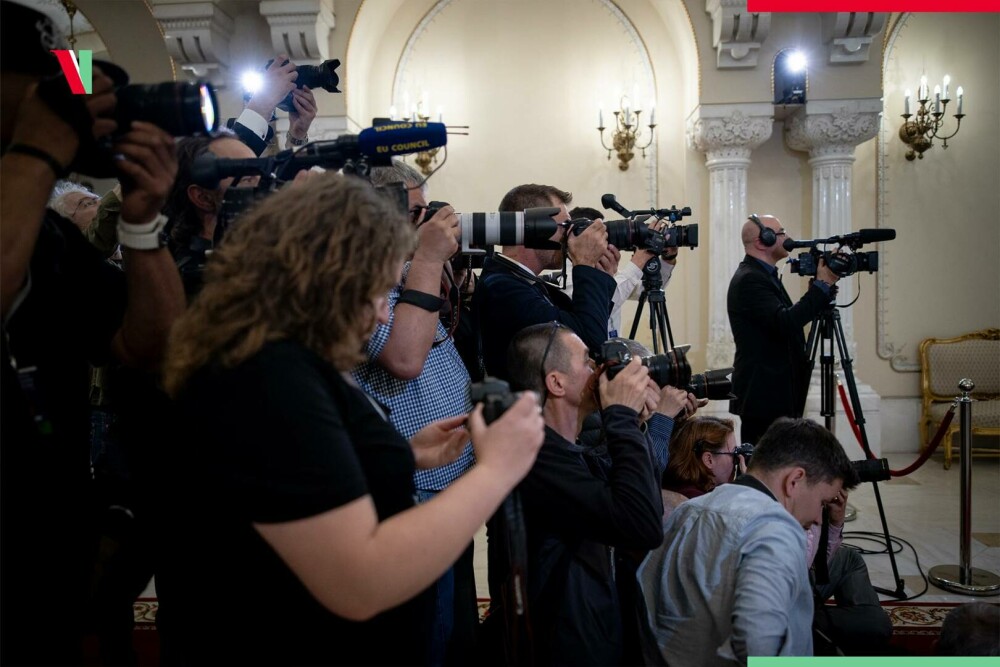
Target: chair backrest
column 945, row 361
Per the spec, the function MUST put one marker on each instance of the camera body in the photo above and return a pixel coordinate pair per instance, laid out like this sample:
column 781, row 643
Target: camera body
column 745, row 450
column 636, row 234
column 494, row 394
column 322, row 76
column 843, row 264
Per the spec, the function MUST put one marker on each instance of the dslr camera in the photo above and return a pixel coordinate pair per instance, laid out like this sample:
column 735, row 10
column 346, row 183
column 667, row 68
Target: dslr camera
column 671, row 368
column 495, row 395
column 322, row 76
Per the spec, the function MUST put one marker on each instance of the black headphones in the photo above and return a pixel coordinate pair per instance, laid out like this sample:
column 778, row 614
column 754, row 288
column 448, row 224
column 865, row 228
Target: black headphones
column 767, row 235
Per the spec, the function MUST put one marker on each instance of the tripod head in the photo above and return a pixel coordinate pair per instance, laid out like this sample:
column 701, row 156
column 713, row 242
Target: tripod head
column 652, row 278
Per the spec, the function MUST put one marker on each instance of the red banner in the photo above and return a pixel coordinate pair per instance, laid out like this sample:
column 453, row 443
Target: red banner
column 873, row 5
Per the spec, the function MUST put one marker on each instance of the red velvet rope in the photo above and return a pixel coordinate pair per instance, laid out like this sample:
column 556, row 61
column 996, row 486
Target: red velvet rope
column 931, row 448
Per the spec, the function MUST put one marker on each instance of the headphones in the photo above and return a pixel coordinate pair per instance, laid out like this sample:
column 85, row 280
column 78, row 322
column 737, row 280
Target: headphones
column 767, row 236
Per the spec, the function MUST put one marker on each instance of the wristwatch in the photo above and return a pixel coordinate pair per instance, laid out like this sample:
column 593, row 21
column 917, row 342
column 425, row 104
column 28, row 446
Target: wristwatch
column 292, row 141
column 147, row 236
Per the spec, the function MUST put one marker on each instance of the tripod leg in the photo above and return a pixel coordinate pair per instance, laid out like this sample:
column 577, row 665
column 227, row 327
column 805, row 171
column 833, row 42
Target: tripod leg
column 852, row 388
column 660, row 309
column 638, row 315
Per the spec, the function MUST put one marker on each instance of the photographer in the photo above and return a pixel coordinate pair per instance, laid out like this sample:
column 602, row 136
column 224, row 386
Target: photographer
column 301, row 499
column 194, row 210
column 771, row 368
column 64, row 306
column 579, row 505
column 414, row 369
column 510, row 295
column 700, row 457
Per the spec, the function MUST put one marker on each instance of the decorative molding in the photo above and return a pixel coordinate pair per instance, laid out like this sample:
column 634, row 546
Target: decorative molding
column 197, row 37
column 901, row 358
column 729, row 129
column 833, row 127
column 737, row 34
column 850, row 34
column 300, row 28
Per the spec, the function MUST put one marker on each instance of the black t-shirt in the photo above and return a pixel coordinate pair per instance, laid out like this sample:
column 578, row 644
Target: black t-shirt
column 68, row 319
column 280, row 437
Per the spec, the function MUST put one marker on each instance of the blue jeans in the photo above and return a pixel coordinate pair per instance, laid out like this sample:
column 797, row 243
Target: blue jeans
column 443, row 619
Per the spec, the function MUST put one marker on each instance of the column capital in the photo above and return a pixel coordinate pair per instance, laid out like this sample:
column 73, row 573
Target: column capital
column 737, row 34
column 832, row 128
column 197, row 37
column 729, row 131
column 300, row 28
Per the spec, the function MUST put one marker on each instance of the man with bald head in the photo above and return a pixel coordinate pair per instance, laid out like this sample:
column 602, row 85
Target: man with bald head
column 771, row 369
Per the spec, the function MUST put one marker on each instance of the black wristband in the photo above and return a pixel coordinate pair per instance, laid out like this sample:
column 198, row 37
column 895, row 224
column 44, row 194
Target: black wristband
column 422, row 300
column 24, row 149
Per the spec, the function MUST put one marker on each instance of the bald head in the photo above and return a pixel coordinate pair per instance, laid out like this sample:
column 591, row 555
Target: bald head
column 750, row 235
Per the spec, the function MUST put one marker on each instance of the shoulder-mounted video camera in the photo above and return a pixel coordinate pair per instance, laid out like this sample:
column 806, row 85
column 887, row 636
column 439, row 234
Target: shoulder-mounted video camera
column 845, row 260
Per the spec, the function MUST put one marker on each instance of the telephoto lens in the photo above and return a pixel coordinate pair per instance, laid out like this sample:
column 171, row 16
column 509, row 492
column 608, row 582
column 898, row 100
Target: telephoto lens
column 872, row 470
column 179, row 108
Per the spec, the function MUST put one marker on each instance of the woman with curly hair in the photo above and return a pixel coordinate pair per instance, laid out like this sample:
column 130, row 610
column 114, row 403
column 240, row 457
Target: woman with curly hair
column 700, row 457
column 292, row 536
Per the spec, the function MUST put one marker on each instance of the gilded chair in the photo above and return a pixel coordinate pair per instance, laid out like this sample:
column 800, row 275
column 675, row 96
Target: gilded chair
column 945, row 361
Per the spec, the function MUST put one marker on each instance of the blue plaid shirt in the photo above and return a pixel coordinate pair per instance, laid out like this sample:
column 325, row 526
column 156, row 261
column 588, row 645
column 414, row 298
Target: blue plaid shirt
column 441, row 390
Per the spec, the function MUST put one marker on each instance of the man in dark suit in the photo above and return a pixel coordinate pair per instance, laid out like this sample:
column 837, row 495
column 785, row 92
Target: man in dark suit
column 771, row 370
column 510, row 295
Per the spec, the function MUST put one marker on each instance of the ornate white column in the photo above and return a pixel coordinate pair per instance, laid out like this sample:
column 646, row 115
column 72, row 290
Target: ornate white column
column 727, row 134
column 829, row 130
column 197, row 36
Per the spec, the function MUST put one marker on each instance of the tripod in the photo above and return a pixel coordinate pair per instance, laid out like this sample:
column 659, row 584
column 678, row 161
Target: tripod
column 827, row 328
column 659, row 320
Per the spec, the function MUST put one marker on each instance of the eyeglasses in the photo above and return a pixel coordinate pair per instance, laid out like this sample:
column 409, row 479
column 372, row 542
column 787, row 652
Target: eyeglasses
column 85, row 202
column 556, row 326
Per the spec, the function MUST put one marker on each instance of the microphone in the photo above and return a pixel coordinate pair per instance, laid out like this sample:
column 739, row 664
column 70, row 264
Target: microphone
column 610, row 201
column 398, row 138
column 858, row 238
column 867, row 236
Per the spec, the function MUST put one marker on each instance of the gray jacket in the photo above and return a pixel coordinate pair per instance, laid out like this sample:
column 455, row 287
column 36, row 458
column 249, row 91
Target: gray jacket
column 730, row 580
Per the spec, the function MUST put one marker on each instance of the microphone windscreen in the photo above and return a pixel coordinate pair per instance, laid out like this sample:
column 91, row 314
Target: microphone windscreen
column 876, row 235
column 608, row 201
column 789, row 245
column 401, row 138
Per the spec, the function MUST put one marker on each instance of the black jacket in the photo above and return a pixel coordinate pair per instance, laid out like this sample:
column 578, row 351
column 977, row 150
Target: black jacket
column 508, row 299
column 771, row 370
column 578, row 506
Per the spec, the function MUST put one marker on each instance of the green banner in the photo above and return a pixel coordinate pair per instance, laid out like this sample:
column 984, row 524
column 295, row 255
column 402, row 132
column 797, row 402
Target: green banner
column 881, row 661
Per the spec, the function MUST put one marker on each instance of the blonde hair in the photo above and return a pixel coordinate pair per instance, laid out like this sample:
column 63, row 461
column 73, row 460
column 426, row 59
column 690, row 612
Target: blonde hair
column 306, row 265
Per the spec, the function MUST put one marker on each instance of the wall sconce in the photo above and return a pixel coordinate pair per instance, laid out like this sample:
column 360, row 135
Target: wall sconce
column 919, row 133
column 626, row 132
column 419, row 113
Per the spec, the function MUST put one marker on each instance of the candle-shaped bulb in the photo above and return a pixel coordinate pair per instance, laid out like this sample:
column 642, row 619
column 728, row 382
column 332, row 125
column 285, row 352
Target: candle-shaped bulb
column 944, row 94
column 440, row 114
column 937, row 99
column 960, row 92
column 652, row 114
column 906, row 102
column 392, row 112
column 923, row 88
column 600, row 117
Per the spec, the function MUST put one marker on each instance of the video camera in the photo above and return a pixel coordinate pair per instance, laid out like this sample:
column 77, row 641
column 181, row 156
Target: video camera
column 634, row 233
column 671, row 368
column 355, row 154
column 845, row 260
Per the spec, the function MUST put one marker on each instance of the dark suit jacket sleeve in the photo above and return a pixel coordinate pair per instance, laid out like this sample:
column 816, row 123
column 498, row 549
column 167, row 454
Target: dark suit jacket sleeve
column 593, row 290
column 249, row 137
column 757, row 300
column 625, row 510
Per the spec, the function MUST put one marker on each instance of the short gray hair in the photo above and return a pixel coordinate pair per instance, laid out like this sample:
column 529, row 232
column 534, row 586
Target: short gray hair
column 57, row 200
column 398, row 172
